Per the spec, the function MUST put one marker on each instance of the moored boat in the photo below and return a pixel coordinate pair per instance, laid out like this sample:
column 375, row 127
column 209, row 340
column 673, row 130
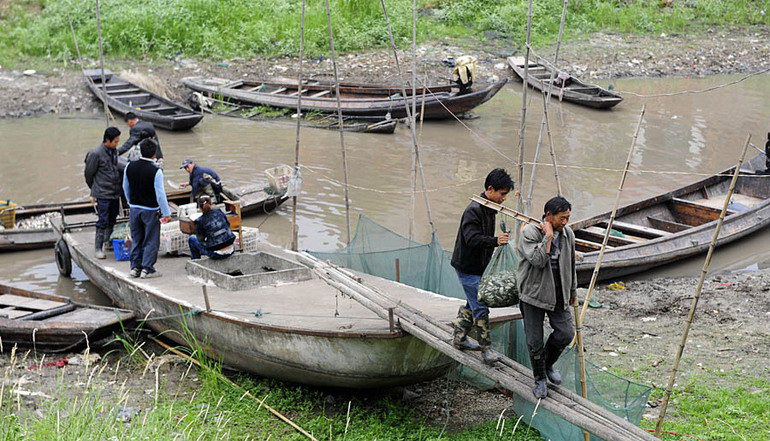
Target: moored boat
column 574, row 91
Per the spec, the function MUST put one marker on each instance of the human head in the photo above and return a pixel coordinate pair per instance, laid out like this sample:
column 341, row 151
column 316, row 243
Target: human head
column 557, row 211
column 204, row 203
column 497, row 185
column 188, row 165
column 148, row 148
column 111, row 137
column 131, row 119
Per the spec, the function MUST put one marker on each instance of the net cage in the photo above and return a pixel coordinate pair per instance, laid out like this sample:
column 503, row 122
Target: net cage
column 381, row 252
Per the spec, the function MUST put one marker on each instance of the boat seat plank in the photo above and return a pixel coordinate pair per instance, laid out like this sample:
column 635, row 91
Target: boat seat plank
column 295, row 93
column 692, row 213
column 126, row 90
column 666, row 225
column 27, row 302
column 117, row 85
column 13, row 313
column 636, row 229
column 277, row 91
column 321, row 93
column 599, row 232
column 588, row 244
column 84, row 315
column 717, row 201
column 132, row 96
column 164, row 109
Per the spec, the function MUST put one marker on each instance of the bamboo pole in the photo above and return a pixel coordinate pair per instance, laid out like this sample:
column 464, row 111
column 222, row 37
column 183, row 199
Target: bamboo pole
column 699, row 289
column 101, row 64
column 520, row 177
column 559, row 191
column 340, row 119
column 294, row 229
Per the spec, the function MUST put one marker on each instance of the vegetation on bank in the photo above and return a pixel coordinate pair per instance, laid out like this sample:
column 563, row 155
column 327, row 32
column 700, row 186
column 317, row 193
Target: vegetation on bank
column 234, row 28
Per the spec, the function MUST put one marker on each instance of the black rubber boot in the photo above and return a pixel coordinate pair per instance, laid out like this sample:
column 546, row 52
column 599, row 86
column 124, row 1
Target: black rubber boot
column 552, row 353
column 98, row 243
column 539, row 372
column 108, row 239
column 490, row 357
column 462, row 326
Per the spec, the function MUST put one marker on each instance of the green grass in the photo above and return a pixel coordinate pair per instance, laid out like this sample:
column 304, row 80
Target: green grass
column 38, row 29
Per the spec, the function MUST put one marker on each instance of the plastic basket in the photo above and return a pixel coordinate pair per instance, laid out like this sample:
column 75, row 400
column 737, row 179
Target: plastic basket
column 278, row 177
column 7, row 214
column 122, row 253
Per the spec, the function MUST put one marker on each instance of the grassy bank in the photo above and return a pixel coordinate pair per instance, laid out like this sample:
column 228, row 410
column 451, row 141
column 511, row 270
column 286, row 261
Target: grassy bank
column 34, row 29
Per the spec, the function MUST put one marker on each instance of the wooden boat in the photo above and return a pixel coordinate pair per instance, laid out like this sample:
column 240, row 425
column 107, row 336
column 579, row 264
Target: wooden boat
column 253, row 199
column 357, row 100
column 286, row 324
column 123, row 97
column 576, row 91
column 51, row 323
column 674, row 225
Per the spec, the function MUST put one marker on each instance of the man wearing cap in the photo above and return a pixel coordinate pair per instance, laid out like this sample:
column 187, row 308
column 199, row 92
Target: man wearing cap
column 140, row 130
column 204, row 181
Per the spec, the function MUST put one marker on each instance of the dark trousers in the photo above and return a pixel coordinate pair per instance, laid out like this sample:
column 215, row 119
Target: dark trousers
column 107, row 209
column 561, row 323
column 470, row 285
column 196, row 250
column 145, row 234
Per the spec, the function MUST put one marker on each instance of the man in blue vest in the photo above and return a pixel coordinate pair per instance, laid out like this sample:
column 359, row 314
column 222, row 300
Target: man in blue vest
column 213, row 237
column 143, row 186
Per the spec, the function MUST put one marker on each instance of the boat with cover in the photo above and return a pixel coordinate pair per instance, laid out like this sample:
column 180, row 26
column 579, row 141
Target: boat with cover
column 52, row 323
column 275, row 317
column 576, row 91
column 356, row 100
column 123, row 96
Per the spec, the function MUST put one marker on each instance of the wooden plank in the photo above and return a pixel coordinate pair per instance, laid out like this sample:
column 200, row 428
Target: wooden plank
column 640, row 230
column 27, row 302
column 670, row 226
column 693, row 213
column 589, row 245
column 12, row 313
column 84, row 315
column 295, row 93
column 596, row 234
column 321, row 93
column 276, row 92
column 132, row 96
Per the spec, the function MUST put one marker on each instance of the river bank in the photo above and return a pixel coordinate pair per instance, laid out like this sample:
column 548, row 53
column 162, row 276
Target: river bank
column 602, row 57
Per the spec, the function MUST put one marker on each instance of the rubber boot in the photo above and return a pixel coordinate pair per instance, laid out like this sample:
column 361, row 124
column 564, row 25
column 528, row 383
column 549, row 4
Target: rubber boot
column 489, row 356
column 539, row 372
column 462, row 326
column 552, row 353
column 98, row 243
column 108, row 239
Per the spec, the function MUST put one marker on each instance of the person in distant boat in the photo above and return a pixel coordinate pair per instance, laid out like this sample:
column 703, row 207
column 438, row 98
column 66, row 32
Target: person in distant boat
column 767, row 155
column 213, row 237
column 139, row 131
column 205, row 181
column 474, row 245
column 103, row 176
column 547, row 286
column 143, row 186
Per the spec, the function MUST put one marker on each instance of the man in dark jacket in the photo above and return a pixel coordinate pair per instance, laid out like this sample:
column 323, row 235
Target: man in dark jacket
column 103, row 176
column 474, row 245
column 213, row 237
column 139, row 131
column 204, row 181
column 547, row 286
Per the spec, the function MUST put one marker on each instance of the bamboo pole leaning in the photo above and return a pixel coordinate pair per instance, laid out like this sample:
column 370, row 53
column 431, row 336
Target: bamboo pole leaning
column 101, row 63
column 340, row 119
column 699, row 290
column 522, row 127
column 294, row 229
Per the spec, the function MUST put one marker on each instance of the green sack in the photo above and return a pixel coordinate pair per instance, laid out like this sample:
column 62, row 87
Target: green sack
column 498, row 287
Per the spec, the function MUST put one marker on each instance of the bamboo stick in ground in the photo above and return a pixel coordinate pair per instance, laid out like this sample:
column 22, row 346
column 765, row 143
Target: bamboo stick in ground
column 699, row 289
column 294, row 229
column 520, row 177
column 101, row 64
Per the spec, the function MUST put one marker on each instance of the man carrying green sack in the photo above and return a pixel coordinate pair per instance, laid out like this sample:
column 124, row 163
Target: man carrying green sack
column 547, row 286
column 473, row 249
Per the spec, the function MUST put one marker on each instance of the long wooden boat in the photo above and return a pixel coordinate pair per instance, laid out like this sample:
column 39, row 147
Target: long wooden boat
column 576, row 91
column 253, row 198
column 123, row 96
column 286, row 324
column 52, row 323
column 356, row 100
column 675, row 225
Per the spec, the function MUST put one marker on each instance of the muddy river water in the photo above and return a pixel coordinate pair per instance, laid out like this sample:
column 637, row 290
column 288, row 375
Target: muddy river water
column 690, row 134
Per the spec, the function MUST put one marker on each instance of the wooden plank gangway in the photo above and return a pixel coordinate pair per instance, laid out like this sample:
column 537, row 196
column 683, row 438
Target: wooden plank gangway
column 507, row 374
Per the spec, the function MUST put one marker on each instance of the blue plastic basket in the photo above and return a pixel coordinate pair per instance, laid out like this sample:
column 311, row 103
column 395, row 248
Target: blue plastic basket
column 121, row 252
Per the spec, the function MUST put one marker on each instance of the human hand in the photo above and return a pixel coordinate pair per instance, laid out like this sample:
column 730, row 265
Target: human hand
column 165, row 220
column 573, row 300
column 184, row 184
column 503, row 239
column 547, row 229
column 92, row 199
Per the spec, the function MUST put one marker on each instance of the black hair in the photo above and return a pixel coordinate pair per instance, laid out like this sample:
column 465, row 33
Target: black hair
column 129, row 116
column 148, row 148
column 201, row 198
column 557, row 205
column 499, row 179
column 110, row 133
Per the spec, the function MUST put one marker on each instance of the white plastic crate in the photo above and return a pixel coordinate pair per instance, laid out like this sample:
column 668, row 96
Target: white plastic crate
column 173, row 241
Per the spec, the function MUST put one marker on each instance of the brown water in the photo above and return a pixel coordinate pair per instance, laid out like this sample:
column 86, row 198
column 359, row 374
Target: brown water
column 689, row 133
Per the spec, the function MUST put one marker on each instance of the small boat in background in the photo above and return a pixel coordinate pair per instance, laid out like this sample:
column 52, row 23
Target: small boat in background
column 124, row 96
column 52, row 323
column 575, row 91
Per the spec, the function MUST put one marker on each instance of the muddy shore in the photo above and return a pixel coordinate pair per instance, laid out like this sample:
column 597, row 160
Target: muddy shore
column 601, row 57
column 633, row 334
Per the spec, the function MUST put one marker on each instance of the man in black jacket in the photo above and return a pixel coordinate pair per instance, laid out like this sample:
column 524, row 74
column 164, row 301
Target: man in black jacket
column 213, row 237
column 474, row 245
column 103, row 176
column 140, row 130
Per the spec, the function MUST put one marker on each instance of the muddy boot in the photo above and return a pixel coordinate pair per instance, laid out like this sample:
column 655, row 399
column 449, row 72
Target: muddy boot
column 108, row 239
column 462, row 326
column 552, row 353
column 539, row 372
column 98, row 243
column 485, row 341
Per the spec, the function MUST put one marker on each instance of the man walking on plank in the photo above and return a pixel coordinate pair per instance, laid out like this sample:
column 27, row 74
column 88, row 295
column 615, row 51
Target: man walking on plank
column 474, row 245
column 547, row 286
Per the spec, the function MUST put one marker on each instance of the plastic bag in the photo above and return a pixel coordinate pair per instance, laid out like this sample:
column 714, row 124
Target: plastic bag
column 498, row 287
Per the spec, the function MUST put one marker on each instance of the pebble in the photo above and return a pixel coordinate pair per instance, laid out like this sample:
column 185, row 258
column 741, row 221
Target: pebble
column 29, row 72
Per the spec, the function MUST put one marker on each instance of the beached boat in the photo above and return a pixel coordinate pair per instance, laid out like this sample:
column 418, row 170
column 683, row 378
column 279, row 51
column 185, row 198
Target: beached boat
column 124, row 96
column 274, row 317
column 50, row 323
column 675, row 225
column 575, row 91
column 356, row 100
